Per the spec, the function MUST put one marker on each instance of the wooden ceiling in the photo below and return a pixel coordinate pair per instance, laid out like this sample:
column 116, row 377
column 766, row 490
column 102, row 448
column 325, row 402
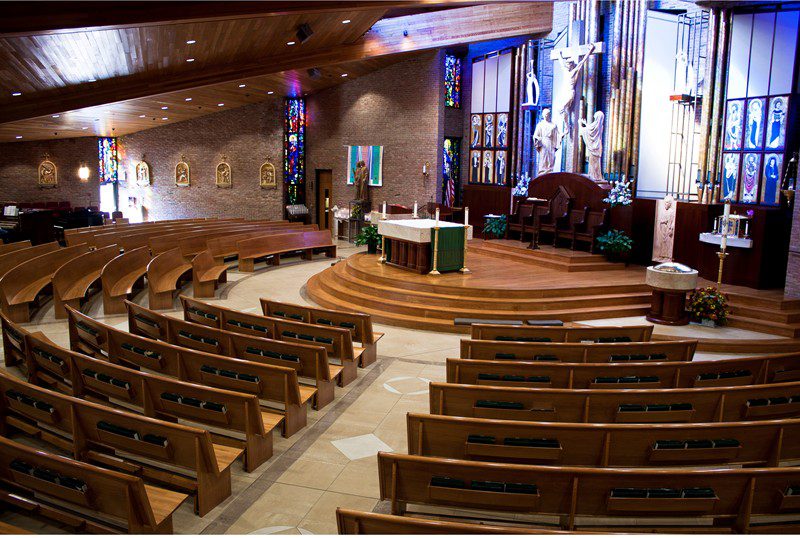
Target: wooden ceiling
column 102, row 69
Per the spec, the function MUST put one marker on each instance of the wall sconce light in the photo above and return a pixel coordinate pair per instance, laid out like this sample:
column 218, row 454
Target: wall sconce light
column 426, row 169
column 83, row 172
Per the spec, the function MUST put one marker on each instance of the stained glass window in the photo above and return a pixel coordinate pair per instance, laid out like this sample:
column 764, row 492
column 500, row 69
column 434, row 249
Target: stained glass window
column 452, row 81
column 107, row 160
column 451, row 177
column 294, row 149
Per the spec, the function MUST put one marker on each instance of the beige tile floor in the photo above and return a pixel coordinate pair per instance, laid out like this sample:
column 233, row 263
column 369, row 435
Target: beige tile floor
column 332, row 462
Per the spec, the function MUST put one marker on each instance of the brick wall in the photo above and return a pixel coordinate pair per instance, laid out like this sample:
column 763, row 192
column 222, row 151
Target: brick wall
column 19, row 165
column 792, row 288
column 400, row 108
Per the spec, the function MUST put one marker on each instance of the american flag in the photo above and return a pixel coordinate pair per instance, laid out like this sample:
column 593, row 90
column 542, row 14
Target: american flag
column 450, row 193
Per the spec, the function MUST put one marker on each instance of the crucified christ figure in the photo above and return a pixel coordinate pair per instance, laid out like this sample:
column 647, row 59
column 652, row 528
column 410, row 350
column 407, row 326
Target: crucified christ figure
column 571, row 73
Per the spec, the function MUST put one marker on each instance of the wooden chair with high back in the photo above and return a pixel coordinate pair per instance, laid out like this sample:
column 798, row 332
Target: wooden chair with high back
column 520, row 221
column 547, row 218
column 595, row 224
column 575, row 219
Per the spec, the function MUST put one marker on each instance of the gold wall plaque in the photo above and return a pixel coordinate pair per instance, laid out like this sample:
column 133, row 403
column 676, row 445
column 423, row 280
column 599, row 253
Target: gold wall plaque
column 182, row 173
column 48, row 174
column 267, row 176
column 223, row 180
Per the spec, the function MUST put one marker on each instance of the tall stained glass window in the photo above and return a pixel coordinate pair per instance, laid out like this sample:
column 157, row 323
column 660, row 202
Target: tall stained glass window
column 452, row 81
column 294, row 151
column 451, row 177
column 107, row 160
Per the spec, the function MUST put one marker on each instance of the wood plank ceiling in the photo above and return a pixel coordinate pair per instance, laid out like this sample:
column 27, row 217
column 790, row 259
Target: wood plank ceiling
column 83, row 74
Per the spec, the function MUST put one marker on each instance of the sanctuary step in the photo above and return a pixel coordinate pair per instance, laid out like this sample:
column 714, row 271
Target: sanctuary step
column 562, row 259
column 397, row 297
column 762, row 311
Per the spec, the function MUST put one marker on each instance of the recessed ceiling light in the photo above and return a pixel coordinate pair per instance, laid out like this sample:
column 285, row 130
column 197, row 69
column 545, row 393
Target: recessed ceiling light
column 242, row 85
column 188, row 99
column 191, row 42
column 16, row 94
column 56, row 115
column 344, row 74
column 165, row 118
column 140, row 115
column 220, row 104
column 92, row 80
column 290, row 43
column 190, row 60
column 270, row 93
column 164, row 107
column 346, row 21
column 18, row 137
column 84, row 128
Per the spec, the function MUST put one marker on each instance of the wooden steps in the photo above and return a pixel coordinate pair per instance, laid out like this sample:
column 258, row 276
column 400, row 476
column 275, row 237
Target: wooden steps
column 553, row 258
column 773, row 315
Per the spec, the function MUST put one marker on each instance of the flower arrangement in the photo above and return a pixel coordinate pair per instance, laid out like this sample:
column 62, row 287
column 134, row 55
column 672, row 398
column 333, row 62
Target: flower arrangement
column 521, row 188
column 620, row 193
column 615, row 243
column 708, row 304
column 369, row 236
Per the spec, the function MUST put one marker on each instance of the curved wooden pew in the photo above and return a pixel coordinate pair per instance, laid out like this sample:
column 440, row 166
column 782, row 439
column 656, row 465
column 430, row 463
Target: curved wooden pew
column 72, row 280
column 5, row 248
column 360, row 324
column 715, row 404
column 14, row 351
column 759, row 443
column 309, row 361
column 780, row 368
column 158, row 396
column 120, row 275
column 163, row 242
column 207, row 273
column 675, row 350
column 522, row 333
column 164, row 272
column 20, row 286
column 274, row 245
column 92, row 425
column 113, row 234
column 42, row 483
column 338, row 342
column 356, row 522
column 11, row 259
column 225, row 247
column 737, row 499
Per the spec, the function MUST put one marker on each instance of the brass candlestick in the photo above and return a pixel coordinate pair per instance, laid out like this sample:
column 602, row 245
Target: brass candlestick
column 434, row 271
column 382, row 259
column 722, row 255
column 464, row 269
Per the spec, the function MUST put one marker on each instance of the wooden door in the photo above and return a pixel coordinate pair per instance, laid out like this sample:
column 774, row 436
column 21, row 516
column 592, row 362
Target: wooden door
column 324, row 198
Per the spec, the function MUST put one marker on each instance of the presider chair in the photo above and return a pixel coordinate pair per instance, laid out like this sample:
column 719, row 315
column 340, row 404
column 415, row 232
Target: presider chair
column 548, row 218
column 566, row 227
column 521, row 220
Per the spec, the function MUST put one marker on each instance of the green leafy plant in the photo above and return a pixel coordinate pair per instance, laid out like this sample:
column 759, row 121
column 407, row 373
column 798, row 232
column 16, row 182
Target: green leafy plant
column 369, row 236
column 357, row 212
column 496, row 227
column 615, row 243
column 709, row 304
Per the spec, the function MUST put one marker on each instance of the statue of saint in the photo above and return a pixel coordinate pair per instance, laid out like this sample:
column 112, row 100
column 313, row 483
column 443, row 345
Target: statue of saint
column 592, row 134
column 531, row 88
column 572, row 71
column 664, row 236
column 546, row 141
column 361, row 179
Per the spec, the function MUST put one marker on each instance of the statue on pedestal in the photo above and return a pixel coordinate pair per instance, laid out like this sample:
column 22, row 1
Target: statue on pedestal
column 592, row 134
column 361, row 177
column 546, row 141
column 664, row 235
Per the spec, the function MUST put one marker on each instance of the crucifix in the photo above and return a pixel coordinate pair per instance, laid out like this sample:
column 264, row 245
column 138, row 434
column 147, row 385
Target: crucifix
column 571, row 59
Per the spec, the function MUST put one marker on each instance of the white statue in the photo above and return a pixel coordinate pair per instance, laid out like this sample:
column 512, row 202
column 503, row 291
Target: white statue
column 664, row 234
column 546, row 141
column 685, row 77
column 531, row 88
column 592, row 135
column 572, row 71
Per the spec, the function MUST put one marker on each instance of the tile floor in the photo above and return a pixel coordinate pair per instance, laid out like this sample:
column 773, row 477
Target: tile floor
column 332, row 462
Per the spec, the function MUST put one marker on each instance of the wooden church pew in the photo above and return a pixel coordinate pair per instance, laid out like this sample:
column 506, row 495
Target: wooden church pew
column 510, row 333
column 656, row 375
column 158, row 396
column 163, row 242
column 72, row 280
column 11, row 259
column 137, row 236
column 207, row 273
column 277, row 385
column 198, row 242
column 758, row 443
column 310, row 361
column 28, row 475
column 274, row 245
column 20, row 286
column 164, row 272
column 84, row 425
column 725, row 499
column 14, row 351
column 676, row 350
column 337, row 341
column 225, row 247
column 714, row 404
column 120, row 275
column 360, row 324
column 5, row 248
column 356, row 522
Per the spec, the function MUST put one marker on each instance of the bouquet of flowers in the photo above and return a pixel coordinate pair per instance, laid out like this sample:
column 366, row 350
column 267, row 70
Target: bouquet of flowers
column 521, row 188
column 620, row 193
column 709, row 304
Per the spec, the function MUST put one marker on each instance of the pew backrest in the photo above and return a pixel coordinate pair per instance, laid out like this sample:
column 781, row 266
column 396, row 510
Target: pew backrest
column 521, row 333
column 360, row 324
column 11, row 259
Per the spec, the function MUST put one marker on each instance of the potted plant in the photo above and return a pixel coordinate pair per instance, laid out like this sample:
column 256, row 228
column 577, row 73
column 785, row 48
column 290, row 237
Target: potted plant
column 615, row 244
column 495, row 227
column 708, row 306
column 369, row 236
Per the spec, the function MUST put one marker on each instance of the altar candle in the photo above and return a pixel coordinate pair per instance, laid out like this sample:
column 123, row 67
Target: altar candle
column 415, row 209
column 725, row 220
column 437, row 217
column 466, row 216
column 384, row 210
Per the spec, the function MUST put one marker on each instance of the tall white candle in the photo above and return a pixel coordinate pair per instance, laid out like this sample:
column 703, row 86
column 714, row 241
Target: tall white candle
column 466, row 216
column 725, row 221
column 384, row 210
column 415, row 209
column 437, row 217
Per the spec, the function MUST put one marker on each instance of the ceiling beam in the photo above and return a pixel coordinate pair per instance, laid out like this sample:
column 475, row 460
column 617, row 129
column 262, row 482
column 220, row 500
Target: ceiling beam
column 425, row 31
column 37, row 18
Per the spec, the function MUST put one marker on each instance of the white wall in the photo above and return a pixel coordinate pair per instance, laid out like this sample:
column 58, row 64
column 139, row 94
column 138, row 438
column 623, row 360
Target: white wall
column 656, row 119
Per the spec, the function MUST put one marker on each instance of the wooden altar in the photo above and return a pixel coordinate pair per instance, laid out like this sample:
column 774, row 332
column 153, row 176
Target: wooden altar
column 408, row 244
